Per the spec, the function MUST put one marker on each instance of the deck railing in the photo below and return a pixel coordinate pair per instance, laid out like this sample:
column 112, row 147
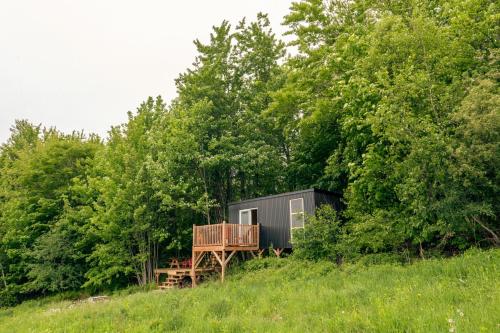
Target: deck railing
column 225, row 234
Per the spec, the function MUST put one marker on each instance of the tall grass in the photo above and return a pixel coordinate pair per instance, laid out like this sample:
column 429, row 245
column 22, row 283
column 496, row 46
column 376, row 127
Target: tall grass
column 461, row 294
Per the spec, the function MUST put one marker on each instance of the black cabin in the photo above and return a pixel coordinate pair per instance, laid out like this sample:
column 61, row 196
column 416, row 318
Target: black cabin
column 279, row 214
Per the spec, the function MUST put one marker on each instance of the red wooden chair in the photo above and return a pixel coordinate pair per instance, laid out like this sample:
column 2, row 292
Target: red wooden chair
column 186, row 263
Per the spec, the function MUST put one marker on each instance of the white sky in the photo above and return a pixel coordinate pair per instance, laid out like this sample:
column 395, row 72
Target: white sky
column 81, row 65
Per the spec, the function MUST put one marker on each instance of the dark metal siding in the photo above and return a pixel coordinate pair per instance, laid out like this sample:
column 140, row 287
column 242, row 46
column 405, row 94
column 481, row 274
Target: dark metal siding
column 273, row 214
column 327, row 198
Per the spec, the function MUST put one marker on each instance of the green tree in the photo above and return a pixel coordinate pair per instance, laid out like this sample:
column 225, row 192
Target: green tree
column 38, row 176
column 129, row 222
column 234, row 152
column 370, row 108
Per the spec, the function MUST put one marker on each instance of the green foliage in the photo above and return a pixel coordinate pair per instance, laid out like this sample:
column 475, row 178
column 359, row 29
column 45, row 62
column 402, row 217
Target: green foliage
column 377, row 90
column 395, row 104
column 263, row 263
column 8, row 296
column 320, row 237
column 138, row 218
column 222, row 141
column 44, row 210
column 295, row 296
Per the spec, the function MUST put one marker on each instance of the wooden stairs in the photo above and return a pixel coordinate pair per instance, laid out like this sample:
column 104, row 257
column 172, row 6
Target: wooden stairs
column 173, row 281
column 181, row 277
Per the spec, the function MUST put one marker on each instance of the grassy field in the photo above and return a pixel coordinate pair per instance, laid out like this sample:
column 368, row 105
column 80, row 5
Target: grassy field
column 461, row 294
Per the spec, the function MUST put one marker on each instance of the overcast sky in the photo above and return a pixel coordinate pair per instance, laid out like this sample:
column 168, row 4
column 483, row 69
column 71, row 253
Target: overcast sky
column 81, row 65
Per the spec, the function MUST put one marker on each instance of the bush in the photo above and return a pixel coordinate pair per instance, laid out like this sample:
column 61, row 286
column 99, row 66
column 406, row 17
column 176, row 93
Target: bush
column 382, row 258
column 320, row 236
column 8, row 297
column 262, row 263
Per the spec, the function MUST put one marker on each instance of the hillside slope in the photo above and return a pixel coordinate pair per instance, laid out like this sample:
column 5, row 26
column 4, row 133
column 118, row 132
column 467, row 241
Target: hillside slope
column 461, row 294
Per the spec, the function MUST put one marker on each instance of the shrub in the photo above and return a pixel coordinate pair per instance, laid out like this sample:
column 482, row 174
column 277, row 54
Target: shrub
column 381, row 259
column 8, row 297
column 263, row 263
column 320, row 236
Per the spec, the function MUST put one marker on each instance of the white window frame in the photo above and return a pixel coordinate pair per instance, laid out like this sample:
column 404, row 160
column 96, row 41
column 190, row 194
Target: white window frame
column 299, row 213
column 247, row 210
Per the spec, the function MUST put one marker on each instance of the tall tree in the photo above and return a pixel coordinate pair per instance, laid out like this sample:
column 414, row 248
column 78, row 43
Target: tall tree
column 129, row 223
column 370, row 104
column 39, row 171
column 219, row 111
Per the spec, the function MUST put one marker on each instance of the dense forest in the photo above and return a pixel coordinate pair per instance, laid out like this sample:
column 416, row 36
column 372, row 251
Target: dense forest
column 395, row 104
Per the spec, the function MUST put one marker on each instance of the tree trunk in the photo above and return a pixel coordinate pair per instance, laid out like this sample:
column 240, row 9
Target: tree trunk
column 3, row 276
column 494, row 236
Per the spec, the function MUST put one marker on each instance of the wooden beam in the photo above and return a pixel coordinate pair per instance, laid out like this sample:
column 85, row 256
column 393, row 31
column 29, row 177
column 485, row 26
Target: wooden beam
column 198, row 260
column 195, row 261
column 223, row 265
column 193, row 256
column 229, row 257
column 217, row 257
column 278, row 252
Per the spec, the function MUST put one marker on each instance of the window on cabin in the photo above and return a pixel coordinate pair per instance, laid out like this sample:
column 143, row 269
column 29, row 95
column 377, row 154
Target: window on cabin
column 296, row 213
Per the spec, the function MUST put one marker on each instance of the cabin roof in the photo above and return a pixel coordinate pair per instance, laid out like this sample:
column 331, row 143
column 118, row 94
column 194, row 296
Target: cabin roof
column 284, row 194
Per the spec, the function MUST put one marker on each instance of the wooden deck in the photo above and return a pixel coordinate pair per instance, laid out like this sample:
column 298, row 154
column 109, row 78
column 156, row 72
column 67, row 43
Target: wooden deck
column 216, row 237
column 213, row 247
column 222, row 241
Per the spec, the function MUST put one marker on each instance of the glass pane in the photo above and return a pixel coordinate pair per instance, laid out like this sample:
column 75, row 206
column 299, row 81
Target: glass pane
column 297, row 205
column 245, row 217
column 298, row 220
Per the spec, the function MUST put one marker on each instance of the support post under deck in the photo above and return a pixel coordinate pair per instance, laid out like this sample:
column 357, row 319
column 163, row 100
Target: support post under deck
column 223, row 271
column 193, row 262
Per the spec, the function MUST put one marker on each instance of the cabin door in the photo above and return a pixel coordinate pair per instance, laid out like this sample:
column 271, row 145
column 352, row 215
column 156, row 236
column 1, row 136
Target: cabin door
column 247, row 217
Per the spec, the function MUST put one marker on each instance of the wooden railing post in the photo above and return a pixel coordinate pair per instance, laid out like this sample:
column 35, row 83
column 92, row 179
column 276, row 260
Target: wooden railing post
column 258, row 235
column 224, row 234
